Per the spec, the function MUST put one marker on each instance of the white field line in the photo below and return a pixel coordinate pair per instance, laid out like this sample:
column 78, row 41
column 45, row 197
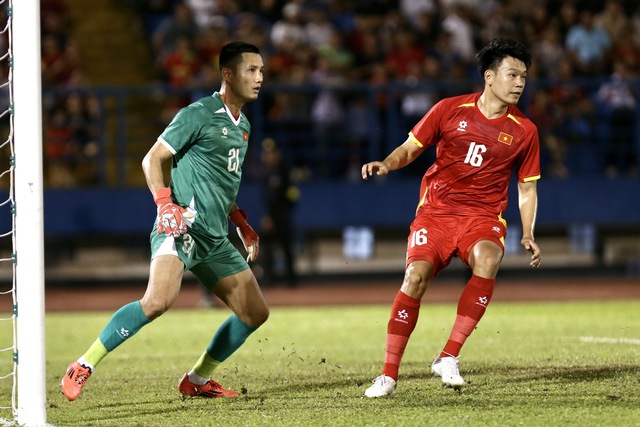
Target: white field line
column 610, row 340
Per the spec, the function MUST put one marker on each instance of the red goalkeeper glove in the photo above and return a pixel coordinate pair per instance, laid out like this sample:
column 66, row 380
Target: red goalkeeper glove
column 249, row 238
column 170, row 219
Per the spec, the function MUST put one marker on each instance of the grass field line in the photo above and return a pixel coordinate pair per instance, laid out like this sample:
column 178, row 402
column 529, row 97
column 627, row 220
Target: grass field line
column 610, row 340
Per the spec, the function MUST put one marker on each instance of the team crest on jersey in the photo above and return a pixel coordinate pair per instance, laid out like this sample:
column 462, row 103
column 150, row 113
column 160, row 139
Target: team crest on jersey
column 225, row 132
column 462, row 126
column 505, row 138
column 245, row 136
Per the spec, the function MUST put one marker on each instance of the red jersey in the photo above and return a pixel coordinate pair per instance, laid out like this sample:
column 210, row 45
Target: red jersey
column 475, row 157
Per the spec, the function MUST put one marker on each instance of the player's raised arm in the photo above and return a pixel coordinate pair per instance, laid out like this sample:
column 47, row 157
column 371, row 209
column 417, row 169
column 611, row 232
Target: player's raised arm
column 399, row 158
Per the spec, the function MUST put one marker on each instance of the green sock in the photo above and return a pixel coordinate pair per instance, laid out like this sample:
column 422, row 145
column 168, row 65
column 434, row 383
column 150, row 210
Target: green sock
column 205, row 366
column 96, row 353
column 228, row 338
column 123, row 325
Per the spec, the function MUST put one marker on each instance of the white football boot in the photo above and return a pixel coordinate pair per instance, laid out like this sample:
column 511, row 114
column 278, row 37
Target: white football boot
column 382, row 386
column 447, row 369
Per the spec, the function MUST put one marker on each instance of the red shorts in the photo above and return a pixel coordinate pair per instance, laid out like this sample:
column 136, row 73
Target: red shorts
column 438, row 238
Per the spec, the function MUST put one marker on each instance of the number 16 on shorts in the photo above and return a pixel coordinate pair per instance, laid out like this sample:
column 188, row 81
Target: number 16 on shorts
column 418, row 238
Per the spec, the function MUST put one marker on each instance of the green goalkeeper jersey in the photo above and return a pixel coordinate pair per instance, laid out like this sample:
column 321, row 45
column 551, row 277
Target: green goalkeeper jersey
column 208, row 146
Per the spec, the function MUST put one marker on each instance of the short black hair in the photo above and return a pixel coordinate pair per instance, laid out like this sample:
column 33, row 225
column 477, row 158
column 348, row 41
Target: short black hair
column 231, row 54
column 492, row 54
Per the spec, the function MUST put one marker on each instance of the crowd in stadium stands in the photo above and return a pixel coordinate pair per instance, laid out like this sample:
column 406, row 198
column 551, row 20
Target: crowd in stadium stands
column 581, row 86
column 70, row 119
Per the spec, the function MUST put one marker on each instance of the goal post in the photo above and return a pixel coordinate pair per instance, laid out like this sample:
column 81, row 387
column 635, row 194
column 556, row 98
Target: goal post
column 29, row 237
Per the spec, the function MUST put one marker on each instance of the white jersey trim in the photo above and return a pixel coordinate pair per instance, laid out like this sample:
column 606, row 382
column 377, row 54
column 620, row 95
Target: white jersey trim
column 233, row 119
column 167, row 145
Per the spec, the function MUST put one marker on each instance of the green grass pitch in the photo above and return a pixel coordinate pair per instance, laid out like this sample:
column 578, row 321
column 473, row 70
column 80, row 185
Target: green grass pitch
column 531, row 364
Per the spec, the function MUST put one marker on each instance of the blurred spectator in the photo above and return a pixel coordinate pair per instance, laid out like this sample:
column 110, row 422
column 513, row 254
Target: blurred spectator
column 618, row 103
column 267, row 10
column 501, row 22
column 548, row 51
column 276, row 227
column 203, row 11
column 181, row 64
column 588, row 45
column 60, row 150
column 58, row 61
column 318, row 28
column 55, row 20
column 426, row 29
column 178, row 26
column 627, row 50
column 537, row 22
column 548, row 116
column 457, row 24
column 565, row 15
column 359, row 123
column 365, row 56
column 289, row 30
column 249, row 28
column 452, row 65
column 387, row 27
column 338, row 57
column 83, row 115
column 211, row 40
column 327, row 114
column 420, row 94
column 205, row 82
column 613, row 20
column 405, row 55
column 153, row 13
column 415, row 10
column 330, row 47
column 574, row 107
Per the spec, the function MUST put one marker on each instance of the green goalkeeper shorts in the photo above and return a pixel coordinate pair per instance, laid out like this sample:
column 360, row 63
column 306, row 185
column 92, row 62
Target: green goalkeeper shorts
column 209, row 259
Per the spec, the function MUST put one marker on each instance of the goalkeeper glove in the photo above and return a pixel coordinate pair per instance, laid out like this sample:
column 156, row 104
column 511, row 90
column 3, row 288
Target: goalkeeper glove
column 250, row 239
column 170, row 220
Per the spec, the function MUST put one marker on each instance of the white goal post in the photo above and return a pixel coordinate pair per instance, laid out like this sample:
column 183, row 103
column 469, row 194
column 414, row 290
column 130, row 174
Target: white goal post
column 27, row 108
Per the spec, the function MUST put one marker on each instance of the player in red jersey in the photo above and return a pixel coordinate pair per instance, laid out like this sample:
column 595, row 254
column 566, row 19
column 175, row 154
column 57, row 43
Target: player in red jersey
column 480, row 140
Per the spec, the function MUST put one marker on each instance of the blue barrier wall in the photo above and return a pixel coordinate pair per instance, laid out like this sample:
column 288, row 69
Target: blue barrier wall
column 331, row 206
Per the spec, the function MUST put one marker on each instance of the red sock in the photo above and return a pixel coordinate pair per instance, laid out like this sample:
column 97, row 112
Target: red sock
column 471, row 307
column 404, row 316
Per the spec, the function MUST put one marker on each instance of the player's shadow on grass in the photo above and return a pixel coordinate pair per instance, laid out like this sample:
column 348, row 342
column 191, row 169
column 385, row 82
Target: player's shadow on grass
column 517, row 374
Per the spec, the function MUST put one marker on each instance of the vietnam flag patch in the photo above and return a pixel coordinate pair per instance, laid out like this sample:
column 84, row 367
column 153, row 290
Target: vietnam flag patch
column 505, row 138
column 245, row 136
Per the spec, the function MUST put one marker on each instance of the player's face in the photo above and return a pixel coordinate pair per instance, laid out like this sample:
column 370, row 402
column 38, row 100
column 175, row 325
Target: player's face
column 507, row 82
column 248, row 77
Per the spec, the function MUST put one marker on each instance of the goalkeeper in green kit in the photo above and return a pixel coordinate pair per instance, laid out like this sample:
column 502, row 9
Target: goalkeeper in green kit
column 206, row 143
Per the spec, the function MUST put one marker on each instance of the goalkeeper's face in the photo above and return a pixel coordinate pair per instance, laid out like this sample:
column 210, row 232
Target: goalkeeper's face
column 247, row 78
